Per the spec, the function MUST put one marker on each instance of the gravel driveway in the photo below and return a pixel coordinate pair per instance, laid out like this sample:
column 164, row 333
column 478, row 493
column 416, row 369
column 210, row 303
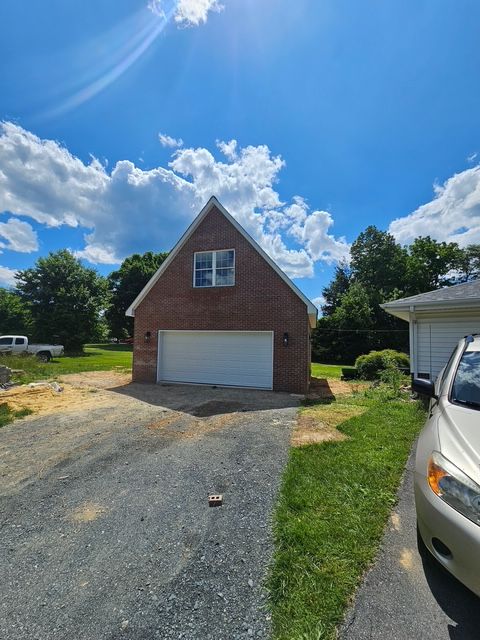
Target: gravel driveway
column 107, row 532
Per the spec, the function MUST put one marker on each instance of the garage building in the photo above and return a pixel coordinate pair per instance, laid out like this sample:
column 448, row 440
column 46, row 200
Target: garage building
column 219, row 311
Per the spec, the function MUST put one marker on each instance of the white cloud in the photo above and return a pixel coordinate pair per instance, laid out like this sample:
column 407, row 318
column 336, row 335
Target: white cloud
column 17, row 235
column 7, row 277
column 186, row 12
column 168, row 141
column 128, row 210
column 96, row 254
column 453, row 215
column 229, row 149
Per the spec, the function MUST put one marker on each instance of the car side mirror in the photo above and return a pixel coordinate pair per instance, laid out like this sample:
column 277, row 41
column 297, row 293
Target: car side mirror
column 424, row 387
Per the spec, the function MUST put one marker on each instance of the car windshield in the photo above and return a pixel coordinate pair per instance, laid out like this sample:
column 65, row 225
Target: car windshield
column 466, row 385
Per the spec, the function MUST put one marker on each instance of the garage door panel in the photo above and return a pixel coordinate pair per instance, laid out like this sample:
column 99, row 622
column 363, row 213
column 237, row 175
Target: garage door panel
column 229, row 358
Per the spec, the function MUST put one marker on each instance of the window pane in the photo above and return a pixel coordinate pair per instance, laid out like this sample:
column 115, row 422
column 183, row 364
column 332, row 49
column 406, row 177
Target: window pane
column 6, row 341
column 224, row 259
column 224, row 277
column 203, row 278
column 466, row 386
column 203, row 260
column 19, row 340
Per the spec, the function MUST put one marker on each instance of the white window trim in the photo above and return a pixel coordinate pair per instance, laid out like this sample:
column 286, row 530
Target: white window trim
column 214, row 268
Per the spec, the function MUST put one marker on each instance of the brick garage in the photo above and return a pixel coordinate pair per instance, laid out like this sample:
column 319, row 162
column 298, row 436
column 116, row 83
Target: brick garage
column 262, row 299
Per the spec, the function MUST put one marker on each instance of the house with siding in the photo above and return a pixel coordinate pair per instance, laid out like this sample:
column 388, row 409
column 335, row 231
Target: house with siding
column 437, row 320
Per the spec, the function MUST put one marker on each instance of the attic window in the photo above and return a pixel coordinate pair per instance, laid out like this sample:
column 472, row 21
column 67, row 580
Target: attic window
column 214, row 268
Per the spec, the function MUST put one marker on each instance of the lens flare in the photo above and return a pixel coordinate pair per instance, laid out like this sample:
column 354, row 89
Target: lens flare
column 118, row 51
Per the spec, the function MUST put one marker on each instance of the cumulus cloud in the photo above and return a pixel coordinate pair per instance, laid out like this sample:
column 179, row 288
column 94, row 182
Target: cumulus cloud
column 17, row 235
column 128, row 210
column 453, row 215
column 7, row 277
column 168, row 141
column 186, row 12
column 96, row 254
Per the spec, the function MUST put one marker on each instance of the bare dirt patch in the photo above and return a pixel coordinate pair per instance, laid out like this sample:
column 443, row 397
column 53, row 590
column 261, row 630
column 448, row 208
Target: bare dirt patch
column 79, row 391
column 189, row 426
column 319, row 423
column 87, row 512
column 98, row 379
column 323, row 388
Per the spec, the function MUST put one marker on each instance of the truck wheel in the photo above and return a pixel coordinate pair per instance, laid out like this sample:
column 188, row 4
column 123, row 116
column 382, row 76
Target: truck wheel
column 44, row 356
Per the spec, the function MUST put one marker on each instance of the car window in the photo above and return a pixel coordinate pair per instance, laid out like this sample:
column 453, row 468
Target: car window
column 466, row 384
column 6, row 341
column 19, row 340
column 448, row 367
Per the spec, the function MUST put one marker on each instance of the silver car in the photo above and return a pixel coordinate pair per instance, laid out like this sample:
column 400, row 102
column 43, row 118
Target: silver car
column 447, row 467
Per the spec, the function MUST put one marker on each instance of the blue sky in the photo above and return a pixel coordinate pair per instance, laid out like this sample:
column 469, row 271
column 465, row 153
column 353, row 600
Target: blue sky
column 344, row 114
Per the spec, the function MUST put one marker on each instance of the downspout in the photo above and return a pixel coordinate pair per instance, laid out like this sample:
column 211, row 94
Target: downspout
column 413, row 339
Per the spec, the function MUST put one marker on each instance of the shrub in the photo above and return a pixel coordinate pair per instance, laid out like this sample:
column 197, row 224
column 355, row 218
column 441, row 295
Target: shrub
column 370, row 366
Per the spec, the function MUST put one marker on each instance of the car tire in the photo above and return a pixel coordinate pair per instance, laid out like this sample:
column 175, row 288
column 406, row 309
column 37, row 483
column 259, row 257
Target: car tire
column 44, row 356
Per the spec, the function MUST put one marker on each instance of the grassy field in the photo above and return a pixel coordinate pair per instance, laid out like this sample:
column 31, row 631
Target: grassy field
column 96, row 357
column 334, row 503
column 326, row 370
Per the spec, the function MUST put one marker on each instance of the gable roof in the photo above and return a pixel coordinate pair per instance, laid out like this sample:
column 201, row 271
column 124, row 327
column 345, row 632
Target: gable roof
column 213, row 202
column 463, row 295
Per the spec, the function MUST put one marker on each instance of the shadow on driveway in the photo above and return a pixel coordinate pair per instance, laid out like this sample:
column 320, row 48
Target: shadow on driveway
column 203, row 401
column 456, row 601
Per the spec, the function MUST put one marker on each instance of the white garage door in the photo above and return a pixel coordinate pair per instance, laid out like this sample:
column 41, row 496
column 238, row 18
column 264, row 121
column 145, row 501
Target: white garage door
column 227, row 358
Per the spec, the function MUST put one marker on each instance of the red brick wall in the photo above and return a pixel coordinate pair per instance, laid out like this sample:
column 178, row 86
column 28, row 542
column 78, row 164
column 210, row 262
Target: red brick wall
column 259, row 301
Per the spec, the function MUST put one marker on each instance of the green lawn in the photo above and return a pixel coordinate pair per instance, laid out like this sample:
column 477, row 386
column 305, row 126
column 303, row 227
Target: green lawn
column 96, row 357
column 326, row 370
column 7, row 415
column 334, row 503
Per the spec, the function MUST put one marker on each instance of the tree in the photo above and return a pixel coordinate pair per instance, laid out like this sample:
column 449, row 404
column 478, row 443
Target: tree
column 15, row 316
column 66, row 299
column 125, row 285
column 379, row 263
column 469, row 263
column 354, row 310
column 432, row 264
column 335, row 290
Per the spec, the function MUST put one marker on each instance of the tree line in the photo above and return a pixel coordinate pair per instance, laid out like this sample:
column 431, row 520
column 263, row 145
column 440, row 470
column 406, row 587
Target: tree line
column 61, row 300
column 381, row 270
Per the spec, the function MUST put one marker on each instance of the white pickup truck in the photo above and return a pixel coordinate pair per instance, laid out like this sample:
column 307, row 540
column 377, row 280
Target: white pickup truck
column 19, row 344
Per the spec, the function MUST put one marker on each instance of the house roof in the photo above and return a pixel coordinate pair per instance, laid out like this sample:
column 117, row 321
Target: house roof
column 213, row 202
column 461, row 295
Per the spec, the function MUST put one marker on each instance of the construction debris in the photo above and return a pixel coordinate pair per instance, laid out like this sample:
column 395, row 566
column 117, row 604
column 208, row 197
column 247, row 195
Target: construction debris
column 215, row 500
column 5, row 374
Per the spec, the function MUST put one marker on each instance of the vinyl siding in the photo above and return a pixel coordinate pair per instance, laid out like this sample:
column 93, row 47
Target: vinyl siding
column 437, row 337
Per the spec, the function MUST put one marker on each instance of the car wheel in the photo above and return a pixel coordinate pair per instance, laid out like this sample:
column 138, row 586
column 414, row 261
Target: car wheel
column 44, row 356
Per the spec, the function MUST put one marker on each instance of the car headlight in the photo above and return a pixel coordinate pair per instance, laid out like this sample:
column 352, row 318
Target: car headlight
column 454, row 487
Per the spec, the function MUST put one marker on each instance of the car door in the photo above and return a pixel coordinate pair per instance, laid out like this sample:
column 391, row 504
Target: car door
column 19, row 345
column 6, row 343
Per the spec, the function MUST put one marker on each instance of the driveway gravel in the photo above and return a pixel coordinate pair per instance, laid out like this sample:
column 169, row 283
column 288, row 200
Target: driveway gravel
column 407, row 595
column 111, row 536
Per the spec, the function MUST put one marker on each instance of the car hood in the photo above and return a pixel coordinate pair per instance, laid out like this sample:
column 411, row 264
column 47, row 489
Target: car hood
column 459, row 437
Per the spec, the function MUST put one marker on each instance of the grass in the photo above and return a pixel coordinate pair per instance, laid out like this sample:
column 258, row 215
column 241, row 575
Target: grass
column 96, row 357
column 326, row 370
column 334, row 503
column 7, row 415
